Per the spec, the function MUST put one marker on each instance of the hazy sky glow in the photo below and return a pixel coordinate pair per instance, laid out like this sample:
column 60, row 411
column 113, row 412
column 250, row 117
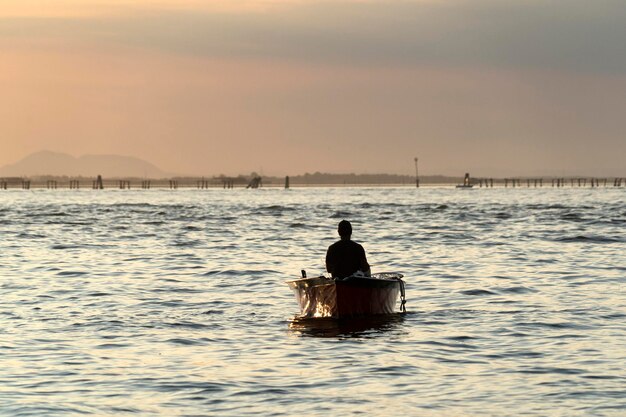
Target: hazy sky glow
column 495, row 87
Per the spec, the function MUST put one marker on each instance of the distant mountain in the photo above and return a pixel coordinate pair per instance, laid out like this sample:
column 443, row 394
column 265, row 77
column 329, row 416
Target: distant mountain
column 59, row 164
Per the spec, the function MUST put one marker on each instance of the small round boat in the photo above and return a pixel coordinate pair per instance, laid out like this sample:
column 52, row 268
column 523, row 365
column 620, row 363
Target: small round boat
column 353, row 296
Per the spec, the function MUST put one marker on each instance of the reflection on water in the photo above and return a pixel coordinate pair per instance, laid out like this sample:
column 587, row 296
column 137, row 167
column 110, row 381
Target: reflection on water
column 174, row 303
column 359, row 327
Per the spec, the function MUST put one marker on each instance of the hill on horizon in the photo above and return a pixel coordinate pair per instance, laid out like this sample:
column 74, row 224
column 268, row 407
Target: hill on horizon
column 50, row 163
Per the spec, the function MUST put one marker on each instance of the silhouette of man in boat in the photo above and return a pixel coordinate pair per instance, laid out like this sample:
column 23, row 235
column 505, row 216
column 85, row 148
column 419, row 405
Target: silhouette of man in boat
column 345, row 257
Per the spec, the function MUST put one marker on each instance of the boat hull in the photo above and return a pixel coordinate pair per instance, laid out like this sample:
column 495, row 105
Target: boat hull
column 353, row 297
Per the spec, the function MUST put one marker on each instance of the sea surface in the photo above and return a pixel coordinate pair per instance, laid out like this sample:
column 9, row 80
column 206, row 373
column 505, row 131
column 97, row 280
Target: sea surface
column 173, row 303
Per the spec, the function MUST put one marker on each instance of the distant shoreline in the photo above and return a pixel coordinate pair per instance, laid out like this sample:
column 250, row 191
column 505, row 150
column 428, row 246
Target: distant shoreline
column 298, row 182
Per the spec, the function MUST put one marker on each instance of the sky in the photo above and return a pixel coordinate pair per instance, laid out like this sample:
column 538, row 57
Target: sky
column 284, row 87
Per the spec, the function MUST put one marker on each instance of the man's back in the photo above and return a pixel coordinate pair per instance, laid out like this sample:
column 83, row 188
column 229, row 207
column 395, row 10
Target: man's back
column 345, row 257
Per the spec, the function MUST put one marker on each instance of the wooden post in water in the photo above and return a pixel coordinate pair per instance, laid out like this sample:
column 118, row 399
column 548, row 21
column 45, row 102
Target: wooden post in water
column 202, row 184
column 287, row 182
column 97, row 184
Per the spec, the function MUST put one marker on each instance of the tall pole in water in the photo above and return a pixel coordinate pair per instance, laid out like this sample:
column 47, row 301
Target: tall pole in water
column 417, row 178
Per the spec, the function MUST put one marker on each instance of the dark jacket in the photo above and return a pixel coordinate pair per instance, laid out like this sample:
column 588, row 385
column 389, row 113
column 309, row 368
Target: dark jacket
column 345, row 257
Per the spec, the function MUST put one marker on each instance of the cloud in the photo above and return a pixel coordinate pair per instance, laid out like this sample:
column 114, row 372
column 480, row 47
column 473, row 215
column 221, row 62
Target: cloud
column 567, row 35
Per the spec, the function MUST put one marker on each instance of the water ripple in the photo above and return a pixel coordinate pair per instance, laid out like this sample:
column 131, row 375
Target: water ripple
column 164, row 302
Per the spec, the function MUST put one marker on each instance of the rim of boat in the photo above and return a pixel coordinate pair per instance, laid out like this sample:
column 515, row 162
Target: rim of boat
column 390, row 276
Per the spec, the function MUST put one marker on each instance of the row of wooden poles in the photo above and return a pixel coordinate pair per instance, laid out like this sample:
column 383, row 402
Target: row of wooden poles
column 98, row 183
column 555, row 182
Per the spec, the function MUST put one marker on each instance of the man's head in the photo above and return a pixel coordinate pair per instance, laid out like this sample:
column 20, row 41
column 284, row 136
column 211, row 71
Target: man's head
column 344, row 229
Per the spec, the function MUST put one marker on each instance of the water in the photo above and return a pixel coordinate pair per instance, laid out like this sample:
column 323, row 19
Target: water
column 173, row 303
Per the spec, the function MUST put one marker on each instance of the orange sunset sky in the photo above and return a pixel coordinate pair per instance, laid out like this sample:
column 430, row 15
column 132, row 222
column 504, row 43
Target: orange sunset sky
column 495, row 87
